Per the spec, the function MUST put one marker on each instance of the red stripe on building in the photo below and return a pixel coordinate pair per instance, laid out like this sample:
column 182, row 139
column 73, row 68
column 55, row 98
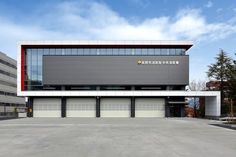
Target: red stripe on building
column 22, row 69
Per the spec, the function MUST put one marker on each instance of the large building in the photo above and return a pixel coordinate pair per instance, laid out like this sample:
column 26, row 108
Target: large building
column 106, row 78
column 9, row 102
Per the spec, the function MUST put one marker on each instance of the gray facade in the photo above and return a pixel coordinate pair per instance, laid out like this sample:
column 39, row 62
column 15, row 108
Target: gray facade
column 8, row 97
column 104, row 79
column 116, row 70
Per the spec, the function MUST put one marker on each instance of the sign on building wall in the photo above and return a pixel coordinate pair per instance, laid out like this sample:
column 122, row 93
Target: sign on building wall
column 156, row 62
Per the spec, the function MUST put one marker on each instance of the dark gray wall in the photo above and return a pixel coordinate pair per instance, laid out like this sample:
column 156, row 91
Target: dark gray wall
column 114, row 70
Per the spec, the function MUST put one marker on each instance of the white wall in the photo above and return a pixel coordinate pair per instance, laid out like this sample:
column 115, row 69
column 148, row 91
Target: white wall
column 212, row 106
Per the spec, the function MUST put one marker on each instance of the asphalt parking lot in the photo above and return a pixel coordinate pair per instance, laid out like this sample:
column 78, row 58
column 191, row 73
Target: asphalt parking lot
column 115, row 137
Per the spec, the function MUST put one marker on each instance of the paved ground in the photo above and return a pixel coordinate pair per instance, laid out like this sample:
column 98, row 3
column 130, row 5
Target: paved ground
column 115, row 137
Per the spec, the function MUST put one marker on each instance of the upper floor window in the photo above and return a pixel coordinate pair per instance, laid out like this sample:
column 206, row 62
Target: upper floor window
column 108, row 51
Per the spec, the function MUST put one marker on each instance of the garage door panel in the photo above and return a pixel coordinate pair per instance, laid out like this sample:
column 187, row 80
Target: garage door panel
column 115, row 114
column 149, row 114
column 80, row 114
column 149, row 107
column 81, row 107
column 115, row 107
column 47, row 107
column 47, row 114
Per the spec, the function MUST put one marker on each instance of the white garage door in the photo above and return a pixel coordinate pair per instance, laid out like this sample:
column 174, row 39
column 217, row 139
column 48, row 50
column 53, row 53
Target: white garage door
column 81, row 107
column 115, row 107
column 47, row 107
column 149, row 107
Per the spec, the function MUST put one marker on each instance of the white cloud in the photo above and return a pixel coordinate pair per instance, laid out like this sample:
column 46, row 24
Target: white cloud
column 209, row 4
column 76, row 21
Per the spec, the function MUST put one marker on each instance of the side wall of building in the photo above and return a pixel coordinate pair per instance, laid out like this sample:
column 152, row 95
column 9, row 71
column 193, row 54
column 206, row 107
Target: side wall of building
column 8, row 92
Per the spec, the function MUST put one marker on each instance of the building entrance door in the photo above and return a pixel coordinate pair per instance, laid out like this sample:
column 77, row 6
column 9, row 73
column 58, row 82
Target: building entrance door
column 175, row 110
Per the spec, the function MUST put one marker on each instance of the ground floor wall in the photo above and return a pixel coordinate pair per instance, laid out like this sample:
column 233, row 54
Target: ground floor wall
column 103, row 107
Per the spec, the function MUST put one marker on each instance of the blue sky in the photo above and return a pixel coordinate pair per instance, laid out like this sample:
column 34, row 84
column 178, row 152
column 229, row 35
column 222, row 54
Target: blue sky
column 211, row 25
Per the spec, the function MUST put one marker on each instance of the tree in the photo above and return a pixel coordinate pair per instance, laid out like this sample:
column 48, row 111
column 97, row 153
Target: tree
column 232, row 89
column 221, row 71
column 232, row 82
column 197, row 86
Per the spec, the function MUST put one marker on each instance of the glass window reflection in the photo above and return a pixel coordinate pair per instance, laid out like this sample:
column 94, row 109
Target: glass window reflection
column 86, row 51
column 28, row 60
column 93, row 51
column 115, row 51
column 138, row 51
column 144, row 51
column 172, row 51
column 151, row 51
column 103, row 51
column 58, row 51
column 74, row 51
column 80, row 51
column 157, row 51
column 46, row 52
column 109, row 52
column 34, row 68
column 178, row 52
column 52, row 51
column 67, row 52
column 121, row 51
